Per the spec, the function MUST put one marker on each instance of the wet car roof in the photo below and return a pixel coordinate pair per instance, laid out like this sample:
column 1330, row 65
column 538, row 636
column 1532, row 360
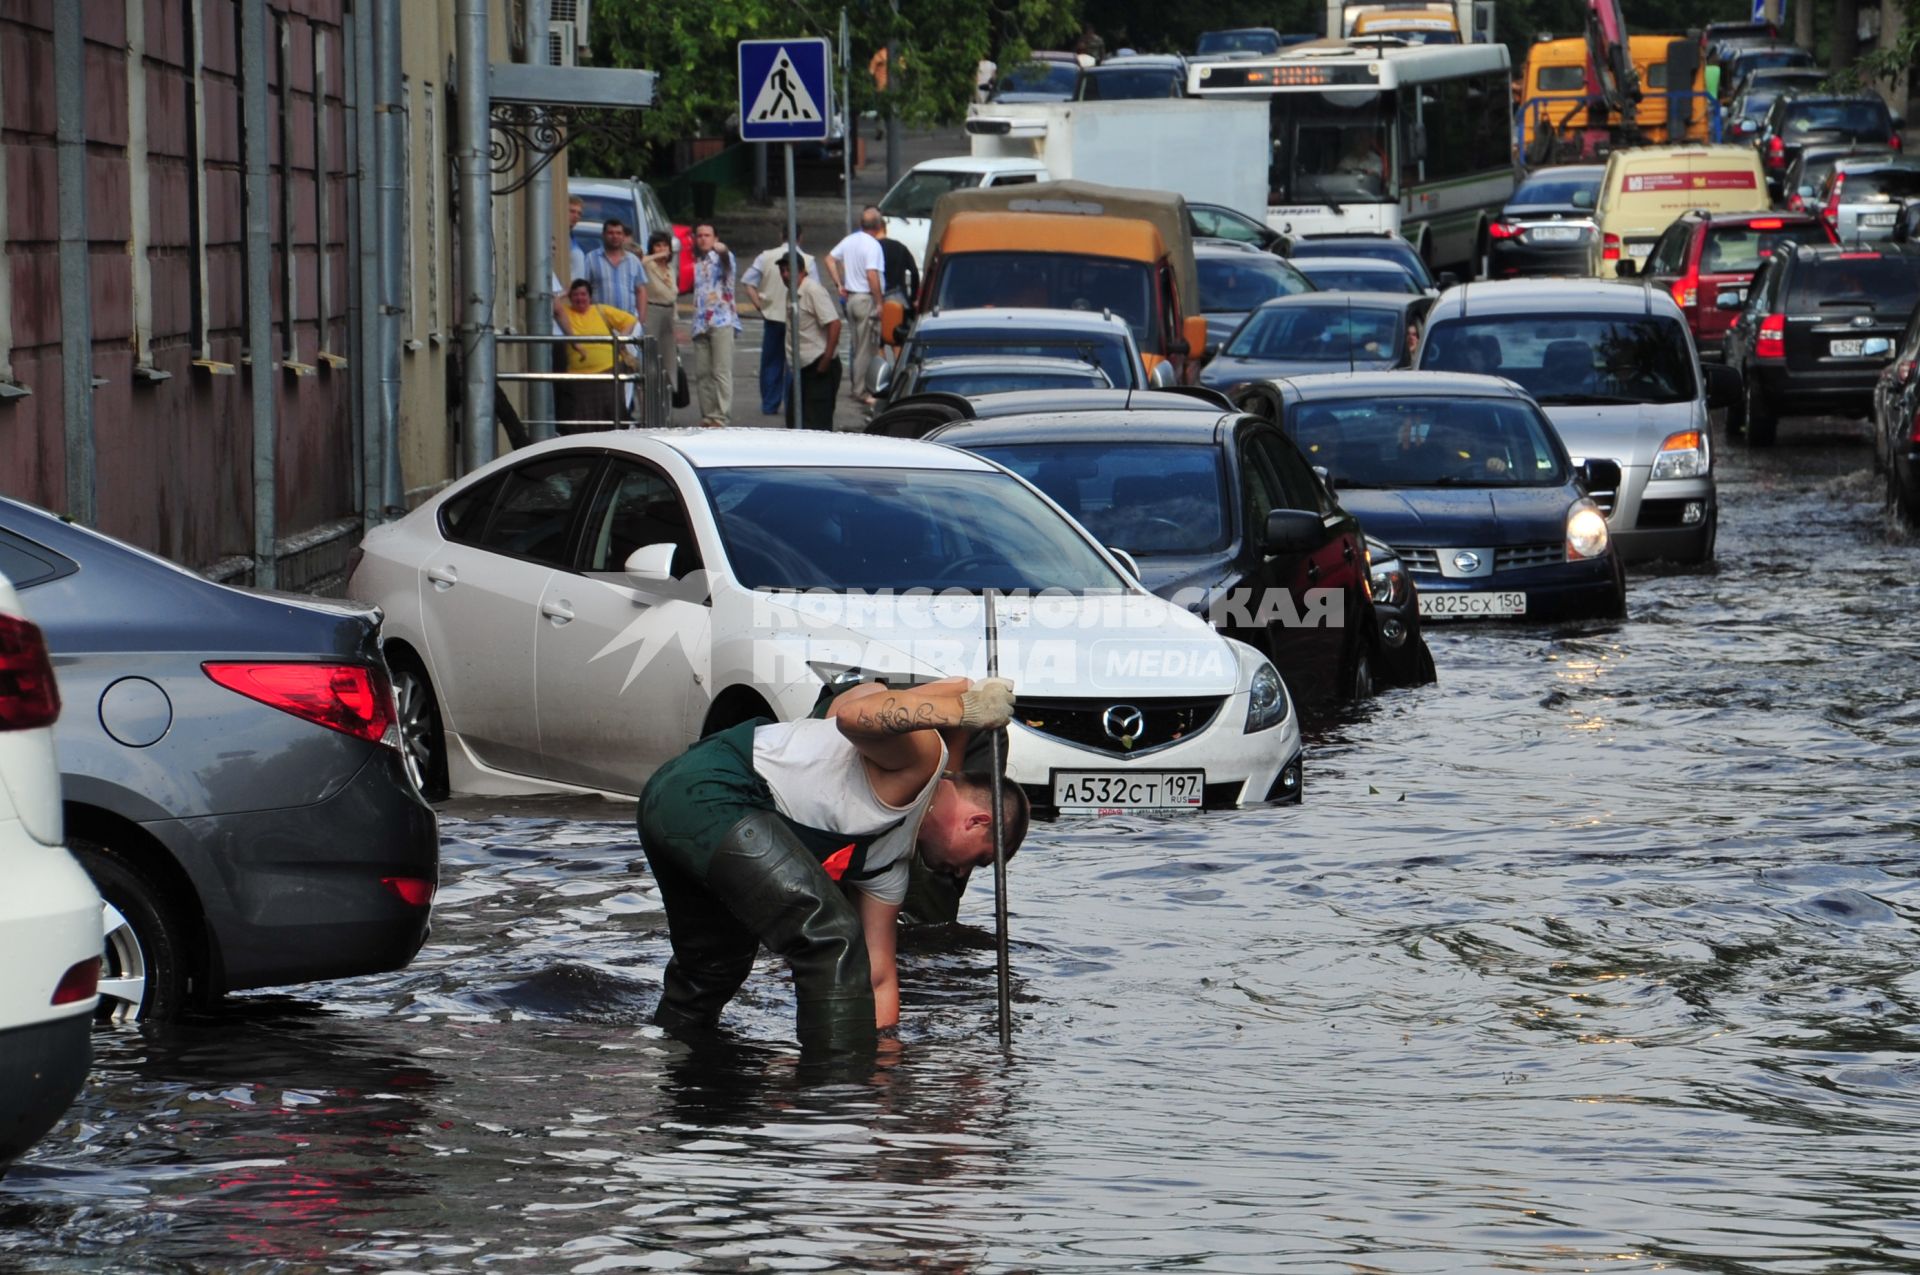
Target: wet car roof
column 1398, row 384
column 1153, row 426
column 1550, row 296
column 743, row 448
column 1026, row 316
column 1347, row 300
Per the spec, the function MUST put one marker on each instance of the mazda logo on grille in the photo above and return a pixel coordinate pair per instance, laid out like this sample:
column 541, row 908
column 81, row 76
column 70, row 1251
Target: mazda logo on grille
column 1466, row 560
column 1124, row 724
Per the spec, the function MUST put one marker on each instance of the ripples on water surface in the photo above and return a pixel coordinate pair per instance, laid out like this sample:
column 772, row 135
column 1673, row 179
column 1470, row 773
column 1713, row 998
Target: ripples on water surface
column 1599, row 955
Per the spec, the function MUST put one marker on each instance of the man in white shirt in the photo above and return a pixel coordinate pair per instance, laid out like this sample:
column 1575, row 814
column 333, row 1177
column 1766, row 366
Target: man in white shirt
column 820, row 325
column 859, row 268
column 766, row 287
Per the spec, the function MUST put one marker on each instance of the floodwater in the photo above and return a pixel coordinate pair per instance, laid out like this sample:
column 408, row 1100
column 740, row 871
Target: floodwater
column 1600, row 954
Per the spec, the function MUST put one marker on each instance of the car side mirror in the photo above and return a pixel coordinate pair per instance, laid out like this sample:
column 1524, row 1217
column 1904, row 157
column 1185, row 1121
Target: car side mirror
column 1194, row 329
column 1162, row 377
column 1729, row 300
column 892, row 314
column 1626, row 269
column 1126, row 560
column 1206, row 355
column 1447, row 279
column 1326, row 477
column 1292, row 531
column 650, row 564
column 1724, row 385
column 1601, row 474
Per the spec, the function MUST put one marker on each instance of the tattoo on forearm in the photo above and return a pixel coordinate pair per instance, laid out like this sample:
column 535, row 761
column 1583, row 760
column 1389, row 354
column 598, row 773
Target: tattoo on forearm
column 892, row 717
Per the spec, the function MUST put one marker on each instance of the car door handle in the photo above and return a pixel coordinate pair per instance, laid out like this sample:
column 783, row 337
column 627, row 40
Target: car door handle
column 559, row 612
column 1346, row 550
column 1313, row 572
column 443, row 578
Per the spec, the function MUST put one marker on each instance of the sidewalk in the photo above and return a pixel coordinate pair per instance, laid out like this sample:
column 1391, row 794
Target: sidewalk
column 751, row 229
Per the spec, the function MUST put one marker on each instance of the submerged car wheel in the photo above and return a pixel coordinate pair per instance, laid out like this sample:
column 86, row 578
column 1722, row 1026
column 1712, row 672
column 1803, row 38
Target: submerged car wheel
column 143, row 962
column 423, row 741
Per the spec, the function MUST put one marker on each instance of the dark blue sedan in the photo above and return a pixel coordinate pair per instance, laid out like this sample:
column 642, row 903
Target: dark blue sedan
column 1466, row 478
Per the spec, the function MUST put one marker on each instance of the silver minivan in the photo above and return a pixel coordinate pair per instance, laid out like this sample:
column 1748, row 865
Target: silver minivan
column 1615, row 369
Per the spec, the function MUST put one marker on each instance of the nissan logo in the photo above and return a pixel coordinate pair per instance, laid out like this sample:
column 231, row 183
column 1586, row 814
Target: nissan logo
column 1466, row 561
column 1124, row 724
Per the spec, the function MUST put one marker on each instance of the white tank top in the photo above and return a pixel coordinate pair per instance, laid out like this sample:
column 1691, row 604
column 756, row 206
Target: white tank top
column 819, row 779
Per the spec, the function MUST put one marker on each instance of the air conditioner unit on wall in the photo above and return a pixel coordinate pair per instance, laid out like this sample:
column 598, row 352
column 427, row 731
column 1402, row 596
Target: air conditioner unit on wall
column 573, row 13
column 560, row 44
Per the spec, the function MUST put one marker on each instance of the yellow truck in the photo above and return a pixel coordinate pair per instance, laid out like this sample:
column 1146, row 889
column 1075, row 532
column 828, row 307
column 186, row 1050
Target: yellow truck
column 1554, row 81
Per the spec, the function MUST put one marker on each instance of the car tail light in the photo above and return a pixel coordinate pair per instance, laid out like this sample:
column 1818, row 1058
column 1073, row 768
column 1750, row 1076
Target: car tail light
column 1895, row 142
column 350, row 698
column 1686, row 292
column 1501, row 230
column 1771, row 343
column 81, row 982
column 1832, row 211
column 28, row 695
column 1767, row 223
column 1776, row 153
column 415, row 892
column 1609, row 247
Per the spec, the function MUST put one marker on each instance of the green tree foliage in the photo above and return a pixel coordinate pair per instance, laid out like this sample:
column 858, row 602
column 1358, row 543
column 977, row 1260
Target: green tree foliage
column 692, row 48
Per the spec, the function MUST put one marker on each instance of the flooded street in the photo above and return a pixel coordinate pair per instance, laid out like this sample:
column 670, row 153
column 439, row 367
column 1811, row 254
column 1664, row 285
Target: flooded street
column 1601, row 953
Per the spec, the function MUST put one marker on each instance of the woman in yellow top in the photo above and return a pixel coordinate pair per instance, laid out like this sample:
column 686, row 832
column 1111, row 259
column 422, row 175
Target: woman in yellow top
column 593, row 402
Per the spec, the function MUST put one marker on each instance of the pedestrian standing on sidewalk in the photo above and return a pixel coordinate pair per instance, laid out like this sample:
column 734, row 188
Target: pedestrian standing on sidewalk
column 767, row 288
column 859, row 269
column 615, row 271
column 589, row 399
column 576, row 255
column 715, row 322
column 659, row 298
column 819, row 321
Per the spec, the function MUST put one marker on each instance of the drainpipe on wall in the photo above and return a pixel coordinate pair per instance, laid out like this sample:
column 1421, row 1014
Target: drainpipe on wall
column 391, row 147
column 76, row 297
column 255, row 120
column 539, row 251
column 476, row 235
column 364, row 307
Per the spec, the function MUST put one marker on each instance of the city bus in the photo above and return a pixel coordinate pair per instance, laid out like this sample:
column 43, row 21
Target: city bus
column 1381, row 136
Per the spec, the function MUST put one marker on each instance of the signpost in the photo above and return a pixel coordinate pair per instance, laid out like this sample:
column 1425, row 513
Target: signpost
column 786, row 95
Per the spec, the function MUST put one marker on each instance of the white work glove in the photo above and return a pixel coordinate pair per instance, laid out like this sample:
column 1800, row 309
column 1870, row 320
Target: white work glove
column 988, row 705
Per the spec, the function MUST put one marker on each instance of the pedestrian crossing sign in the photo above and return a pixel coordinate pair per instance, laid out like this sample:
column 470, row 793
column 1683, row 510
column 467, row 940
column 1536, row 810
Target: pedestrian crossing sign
column 786, row 91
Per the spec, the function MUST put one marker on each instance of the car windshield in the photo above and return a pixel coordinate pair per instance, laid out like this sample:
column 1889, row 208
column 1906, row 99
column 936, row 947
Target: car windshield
column 1105, row 350
column 601, row 208
column 1560, row 192
column 1561, row 79
column 914, row 194
column 1407, row 441
column 1130, row 83
column 1855, row 119
column 1741, row 249
column 1600, row 359
column 1393, row 250
column 1047, row 281
column 1040, row 77
column 1864, row 280
column 1881, row 185
column 1381, row 278
column 1238, row 42
column 1319, row 334
column 1332, row 148
column 986, row 380
column 1146, row 498
column 1245, row 280
column 852, row 528
column 1747, row 62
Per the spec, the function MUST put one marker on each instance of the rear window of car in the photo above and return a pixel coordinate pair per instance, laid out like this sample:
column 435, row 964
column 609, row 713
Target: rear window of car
column 1129, row 84
column 1863, row 280
column 604, row 208
column 1863, row 118
column 1577, row 192
column 1881, row 185
column 25, row 563
column 1736, row 249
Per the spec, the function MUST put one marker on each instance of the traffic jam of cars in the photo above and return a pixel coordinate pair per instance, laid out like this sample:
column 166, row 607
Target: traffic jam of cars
column 1207, row 446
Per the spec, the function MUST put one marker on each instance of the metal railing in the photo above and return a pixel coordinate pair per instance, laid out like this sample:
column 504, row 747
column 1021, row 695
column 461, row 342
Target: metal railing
column 639, row 398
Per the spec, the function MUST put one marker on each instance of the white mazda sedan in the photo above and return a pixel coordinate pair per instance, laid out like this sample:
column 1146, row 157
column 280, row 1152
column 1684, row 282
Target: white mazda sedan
column 575, row 614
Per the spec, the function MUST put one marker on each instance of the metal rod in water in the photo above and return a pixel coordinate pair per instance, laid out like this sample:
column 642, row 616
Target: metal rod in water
column 999, row 740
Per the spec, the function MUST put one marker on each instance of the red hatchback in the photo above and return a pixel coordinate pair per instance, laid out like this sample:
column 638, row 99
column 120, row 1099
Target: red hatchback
column 1704, row 255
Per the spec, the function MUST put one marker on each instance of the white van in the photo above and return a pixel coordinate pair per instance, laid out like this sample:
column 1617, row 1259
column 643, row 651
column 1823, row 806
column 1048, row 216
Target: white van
column 908, row 207
column 1646, row 187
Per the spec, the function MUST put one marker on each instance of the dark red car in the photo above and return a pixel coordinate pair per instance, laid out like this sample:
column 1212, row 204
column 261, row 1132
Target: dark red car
column 1704, row 254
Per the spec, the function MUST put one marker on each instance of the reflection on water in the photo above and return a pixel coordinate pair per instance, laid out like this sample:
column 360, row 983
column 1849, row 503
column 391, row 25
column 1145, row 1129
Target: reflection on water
column 1599, row 953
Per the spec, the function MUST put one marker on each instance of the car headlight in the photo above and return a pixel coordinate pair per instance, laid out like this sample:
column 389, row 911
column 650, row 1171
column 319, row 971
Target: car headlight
column 1386, row 578
column 1686, row 454
column 1266, row 699
column 1586, row 531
